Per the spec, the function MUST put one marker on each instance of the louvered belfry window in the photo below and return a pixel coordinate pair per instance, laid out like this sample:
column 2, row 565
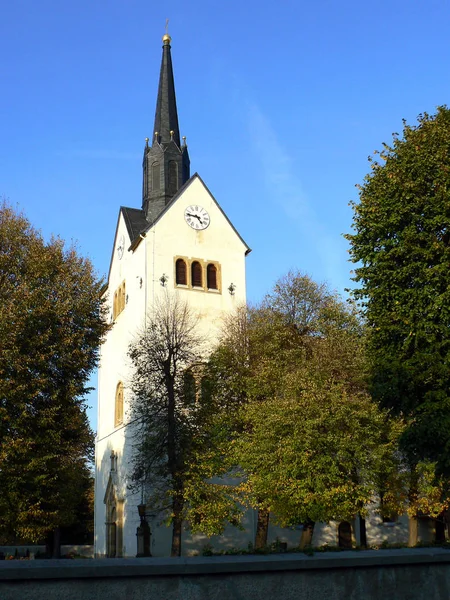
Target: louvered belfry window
column 173, row 177
column 196, row 272
column 156, row 176
column 211, row 276
column 180, row 272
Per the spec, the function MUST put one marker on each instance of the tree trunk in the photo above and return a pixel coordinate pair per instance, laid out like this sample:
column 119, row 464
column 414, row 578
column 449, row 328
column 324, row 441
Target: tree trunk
column 53, row 543
column 307, row 534
column 173, row 467
column 362, row 531
column 56, row 543
column 446, row 516
column 177, row 523
column 413, row 494
column 176, row 537
column 413, row 527
column 262, row 528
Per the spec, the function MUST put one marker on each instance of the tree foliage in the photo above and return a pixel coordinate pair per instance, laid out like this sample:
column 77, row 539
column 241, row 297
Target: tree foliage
column 294, row 432
column 311, row 453
column 401, row 249
column 51, row 325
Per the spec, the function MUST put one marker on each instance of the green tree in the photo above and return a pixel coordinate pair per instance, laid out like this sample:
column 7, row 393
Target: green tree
column 166, row 409
column 293, row 420
column 310, row 452
column 51, row 325
column 401, row 249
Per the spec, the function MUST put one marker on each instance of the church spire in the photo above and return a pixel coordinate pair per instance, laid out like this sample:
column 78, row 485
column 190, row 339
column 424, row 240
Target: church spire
column 166, row 161
column 166, row 116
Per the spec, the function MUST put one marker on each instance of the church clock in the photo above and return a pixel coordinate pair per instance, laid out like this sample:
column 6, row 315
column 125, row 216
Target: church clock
column 120, row 247
column 196, row 217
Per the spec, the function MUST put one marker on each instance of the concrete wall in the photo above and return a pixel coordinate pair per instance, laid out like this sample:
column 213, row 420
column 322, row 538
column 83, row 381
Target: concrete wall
column 414, row 574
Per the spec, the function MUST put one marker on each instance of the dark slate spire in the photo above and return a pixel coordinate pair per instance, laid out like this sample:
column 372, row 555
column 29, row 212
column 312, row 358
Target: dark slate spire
column 166, row 161
column 166, row 116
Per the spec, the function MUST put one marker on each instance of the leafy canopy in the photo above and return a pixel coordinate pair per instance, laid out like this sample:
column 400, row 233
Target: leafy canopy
column 294, row 431
column 401, row 249
column 51, row 325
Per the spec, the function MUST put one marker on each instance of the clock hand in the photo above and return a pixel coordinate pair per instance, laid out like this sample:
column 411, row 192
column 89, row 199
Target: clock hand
column 195, row 217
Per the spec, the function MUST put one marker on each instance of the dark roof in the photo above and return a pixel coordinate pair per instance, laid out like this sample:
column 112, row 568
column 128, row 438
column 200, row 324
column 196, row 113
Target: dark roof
column 135, row 221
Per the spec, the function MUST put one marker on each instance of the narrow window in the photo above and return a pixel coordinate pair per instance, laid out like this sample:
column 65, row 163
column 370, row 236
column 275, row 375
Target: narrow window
column 180, row 272
column 196, row 274
column 120, row 300
column 123, row 296
column 115, row 306
column 211, row 276
column 145, row 182
column 156, row 176
column 173, row 177
column 118, row 407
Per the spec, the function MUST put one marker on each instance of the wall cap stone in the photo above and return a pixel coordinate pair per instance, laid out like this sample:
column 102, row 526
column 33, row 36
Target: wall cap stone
column 208, row 565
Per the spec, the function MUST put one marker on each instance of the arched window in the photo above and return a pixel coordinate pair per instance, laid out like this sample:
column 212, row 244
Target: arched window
column 211, row 276
column 173, row 177
column 156, row 176
column 180, row 272
column 118, row 408
column 196, row 274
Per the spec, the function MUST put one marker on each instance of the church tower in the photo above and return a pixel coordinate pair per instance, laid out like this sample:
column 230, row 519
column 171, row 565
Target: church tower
column 166, row 160
column 178, row 242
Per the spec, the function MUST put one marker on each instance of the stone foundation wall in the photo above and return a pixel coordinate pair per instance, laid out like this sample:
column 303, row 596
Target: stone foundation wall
column 414, row 574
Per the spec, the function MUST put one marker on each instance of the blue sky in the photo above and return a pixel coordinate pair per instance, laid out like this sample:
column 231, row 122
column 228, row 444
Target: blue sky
column 281, row 104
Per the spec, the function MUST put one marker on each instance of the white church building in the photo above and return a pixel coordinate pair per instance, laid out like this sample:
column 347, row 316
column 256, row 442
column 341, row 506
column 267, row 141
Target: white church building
column 179, row 240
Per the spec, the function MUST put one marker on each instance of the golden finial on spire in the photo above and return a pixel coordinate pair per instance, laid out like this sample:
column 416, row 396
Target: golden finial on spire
column 166, row 37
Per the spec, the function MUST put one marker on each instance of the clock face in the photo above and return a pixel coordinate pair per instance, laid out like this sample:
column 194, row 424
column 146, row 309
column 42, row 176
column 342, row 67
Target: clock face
column 196, row 217
column 120, row 246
